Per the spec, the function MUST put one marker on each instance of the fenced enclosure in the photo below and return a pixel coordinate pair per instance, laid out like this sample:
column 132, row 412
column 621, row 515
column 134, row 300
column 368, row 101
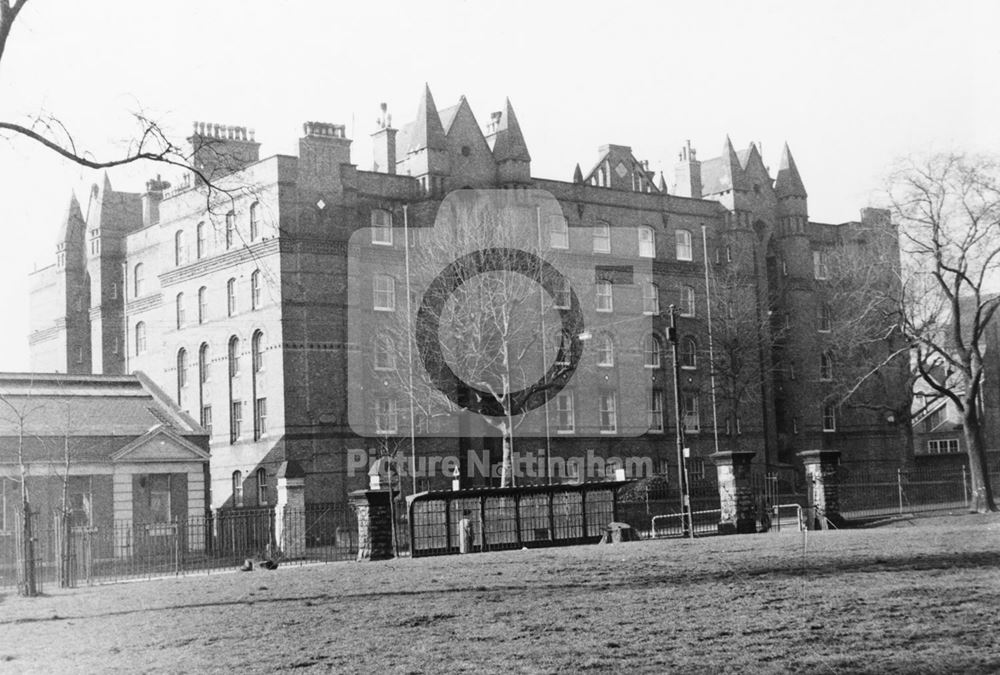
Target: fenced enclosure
column 125, row 550
column 501, row 518
column 907, row 491
column 511, row 518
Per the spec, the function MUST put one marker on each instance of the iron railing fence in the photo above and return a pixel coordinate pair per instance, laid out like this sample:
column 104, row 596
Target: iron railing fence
column 511, row 518
column 866, row 495
column 503, row 519
column 123, row 550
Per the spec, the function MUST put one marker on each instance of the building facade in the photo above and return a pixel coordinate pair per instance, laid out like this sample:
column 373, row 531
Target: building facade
column 235, row 300
column 114, row 446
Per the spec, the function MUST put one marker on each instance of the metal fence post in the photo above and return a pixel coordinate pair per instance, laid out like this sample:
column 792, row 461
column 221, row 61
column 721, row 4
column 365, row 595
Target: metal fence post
column 177, row 547
column 899, row 484
column 965, row 487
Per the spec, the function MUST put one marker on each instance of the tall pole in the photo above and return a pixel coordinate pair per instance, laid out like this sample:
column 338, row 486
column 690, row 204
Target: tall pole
column 711, row 349
column 409, row 352
column 681, row 481
column 541, row 314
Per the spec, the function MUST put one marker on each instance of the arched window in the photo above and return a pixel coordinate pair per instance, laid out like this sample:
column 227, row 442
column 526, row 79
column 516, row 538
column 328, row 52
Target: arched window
column 826, row 366
column 687, row 301
column 684, row 249
column 689, row 353
column 139, row 279
column 231, row 297
column 140, row 338
column 179, row 253
column 181, row 374
column 202, row 304
column 234, row 356
column 382, row 227
column 605, row 351
column 651, row 350
column 254, row 223
column 261, row 487
column 650, row 298
column 203, row 363
column 237, row 488
column 201, row 244
column 825, row 318
column 257, row 351
column 255, row 290
column 230, row 229
column 179, row 310
column 647, row 242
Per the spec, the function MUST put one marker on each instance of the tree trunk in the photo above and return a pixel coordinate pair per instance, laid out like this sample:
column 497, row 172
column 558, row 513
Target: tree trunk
column 907, row 449
column 507, row 463
column 982, row 492
column 28, row 586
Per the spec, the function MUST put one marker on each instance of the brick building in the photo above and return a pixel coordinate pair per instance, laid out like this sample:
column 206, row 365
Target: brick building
column 118, row 446
column 235, row 303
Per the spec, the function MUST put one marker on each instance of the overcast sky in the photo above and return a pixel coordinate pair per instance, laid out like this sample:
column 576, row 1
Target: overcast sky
column 849, row 85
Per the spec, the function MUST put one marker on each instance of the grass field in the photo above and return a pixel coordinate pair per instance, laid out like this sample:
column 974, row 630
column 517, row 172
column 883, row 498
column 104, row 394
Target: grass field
column 914, row 597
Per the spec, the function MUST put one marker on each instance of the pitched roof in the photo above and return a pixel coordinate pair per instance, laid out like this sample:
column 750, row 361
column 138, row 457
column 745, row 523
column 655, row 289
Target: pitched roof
column 87, row 405
column 724, row 172
column 448, row 115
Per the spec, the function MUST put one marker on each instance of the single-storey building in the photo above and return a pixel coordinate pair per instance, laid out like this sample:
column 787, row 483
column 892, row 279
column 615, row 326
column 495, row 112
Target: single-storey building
column 127, row 459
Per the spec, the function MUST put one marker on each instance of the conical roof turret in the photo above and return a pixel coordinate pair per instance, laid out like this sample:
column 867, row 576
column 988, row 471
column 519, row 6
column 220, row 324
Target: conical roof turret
column 72, row 221
column 428, row 131
column 788, row 182
column 509, row 143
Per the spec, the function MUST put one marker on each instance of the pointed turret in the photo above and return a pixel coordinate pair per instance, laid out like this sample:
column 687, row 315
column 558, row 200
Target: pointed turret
column 70, row 227
column 509, row 143
column 661, row 184
column 793, row 207
column 732, row 168
column 427, row 130
column 578, row 175
column 788, row 182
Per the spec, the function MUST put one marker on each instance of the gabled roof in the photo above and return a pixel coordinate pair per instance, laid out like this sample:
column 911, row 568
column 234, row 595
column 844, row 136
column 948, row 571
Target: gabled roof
column 448, row 115
column 130, row 451
column 724, row 172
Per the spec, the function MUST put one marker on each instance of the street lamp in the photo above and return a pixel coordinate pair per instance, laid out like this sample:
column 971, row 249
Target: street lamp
column 682, row 479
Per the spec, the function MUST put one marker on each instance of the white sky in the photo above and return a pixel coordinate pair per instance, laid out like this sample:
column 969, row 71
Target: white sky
column 849, row 85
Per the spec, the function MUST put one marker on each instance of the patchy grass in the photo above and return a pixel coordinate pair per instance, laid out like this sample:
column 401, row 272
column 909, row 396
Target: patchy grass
column 902, row 599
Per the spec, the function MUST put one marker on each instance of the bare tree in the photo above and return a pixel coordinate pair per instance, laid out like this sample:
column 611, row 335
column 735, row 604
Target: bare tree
column 488, row 324
column 948, row 211
column 864, row 309
column 743, row 337
column 19, row 413
column 149, row 141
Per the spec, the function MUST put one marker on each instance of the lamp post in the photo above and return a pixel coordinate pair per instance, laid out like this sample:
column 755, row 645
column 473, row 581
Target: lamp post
column 682, row 482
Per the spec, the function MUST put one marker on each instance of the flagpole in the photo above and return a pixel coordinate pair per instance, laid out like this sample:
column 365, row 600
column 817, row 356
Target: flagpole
column 409, row 348
column 711, row 352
